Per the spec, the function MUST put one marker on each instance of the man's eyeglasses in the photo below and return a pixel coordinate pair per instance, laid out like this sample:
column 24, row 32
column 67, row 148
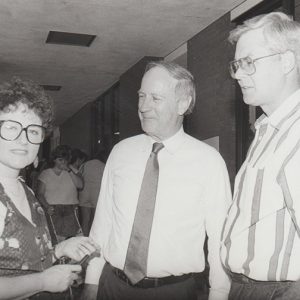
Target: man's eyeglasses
column 11, row 130
column 246, row 64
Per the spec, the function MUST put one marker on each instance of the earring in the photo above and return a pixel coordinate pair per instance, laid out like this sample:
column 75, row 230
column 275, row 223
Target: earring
column 36, row 162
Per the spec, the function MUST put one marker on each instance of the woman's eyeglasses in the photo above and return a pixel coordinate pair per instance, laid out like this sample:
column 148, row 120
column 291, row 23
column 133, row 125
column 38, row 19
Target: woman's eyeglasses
column 11, row 130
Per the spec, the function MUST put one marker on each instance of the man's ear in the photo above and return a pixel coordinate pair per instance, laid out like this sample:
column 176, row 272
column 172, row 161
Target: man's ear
column 183, row 105
column 288, row 61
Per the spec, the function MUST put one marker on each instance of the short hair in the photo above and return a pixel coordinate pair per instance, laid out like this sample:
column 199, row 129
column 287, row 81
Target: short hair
column 281, row 32
column 185, row 84
column 78, row 154
column 17, row 91
column 61, row 151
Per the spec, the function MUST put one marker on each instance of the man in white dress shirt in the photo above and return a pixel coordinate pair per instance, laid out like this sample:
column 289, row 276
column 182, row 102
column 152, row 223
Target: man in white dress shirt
column 261, row 240
column 193, row 195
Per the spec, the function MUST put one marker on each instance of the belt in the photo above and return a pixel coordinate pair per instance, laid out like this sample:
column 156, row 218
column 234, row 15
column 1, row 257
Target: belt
column 151, row 282
column 241, row 278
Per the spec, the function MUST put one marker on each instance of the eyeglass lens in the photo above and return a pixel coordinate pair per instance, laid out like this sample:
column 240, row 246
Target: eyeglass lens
column 246, row 64
column 11, row 130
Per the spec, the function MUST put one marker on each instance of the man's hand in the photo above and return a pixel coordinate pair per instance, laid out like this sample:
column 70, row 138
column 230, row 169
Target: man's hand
column 89, row 292
column 75, row 248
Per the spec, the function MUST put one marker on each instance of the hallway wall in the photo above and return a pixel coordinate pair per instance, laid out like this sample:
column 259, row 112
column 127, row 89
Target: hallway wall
column 297, row 10
column 77, row 131
column 208, row 55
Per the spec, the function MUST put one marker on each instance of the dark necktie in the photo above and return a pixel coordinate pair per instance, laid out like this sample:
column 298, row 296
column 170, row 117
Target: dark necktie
column 137, row 254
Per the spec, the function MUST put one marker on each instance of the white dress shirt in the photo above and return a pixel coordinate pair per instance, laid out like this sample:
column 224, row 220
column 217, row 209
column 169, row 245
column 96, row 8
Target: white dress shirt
column 260, row 239
column 193, row 196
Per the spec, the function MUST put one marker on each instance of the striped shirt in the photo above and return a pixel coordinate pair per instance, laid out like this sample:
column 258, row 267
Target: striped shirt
column 260, row 237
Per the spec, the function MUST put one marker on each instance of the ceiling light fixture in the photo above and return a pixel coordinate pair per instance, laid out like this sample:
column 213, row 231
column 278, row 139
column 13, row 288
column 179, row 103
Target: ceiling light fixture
column 71, row 39
column 48, row 87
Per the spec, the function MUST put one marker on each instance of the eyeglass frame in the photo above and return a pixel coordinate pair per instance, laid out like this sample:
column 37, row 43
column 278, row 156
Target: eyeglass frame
column 23, row 129
column 252, row 61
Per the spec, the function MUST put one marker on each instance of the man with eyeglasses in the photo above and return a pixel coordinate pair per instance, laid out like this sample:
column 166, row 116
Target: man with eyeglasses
column 261, row 237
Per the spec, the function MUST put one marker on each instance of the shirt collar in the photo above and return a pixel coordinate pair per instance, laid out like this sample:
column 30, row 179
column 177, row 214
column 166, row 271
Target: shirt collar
column 282, row 113
column 171, row 144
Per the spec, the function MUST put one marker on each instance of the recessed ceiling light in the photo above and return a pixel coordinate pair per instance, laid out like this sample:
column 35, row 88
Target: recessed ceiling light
column 68, row 38
column 48, row 87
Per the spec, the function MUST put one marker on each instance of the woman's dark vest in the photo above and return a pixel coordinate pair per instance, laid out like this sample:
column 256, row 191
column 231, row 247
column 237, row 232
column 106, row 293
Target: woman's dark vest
column 24, row 248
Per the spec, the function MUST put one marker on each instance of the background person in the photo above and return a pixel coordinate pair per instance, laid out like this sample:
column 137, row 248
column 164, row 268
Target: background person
column 261, row 243
column 92, row 172
column 57, row 191
column 26, row 252
column 78, row 158
column 189, row 181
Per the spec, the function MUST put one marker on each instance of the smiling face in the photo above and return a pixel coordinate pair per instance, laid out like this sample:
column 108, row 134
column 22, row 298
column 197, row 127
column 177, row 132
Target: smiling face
column 264, row 87
column 17, row 154
column 159, row 108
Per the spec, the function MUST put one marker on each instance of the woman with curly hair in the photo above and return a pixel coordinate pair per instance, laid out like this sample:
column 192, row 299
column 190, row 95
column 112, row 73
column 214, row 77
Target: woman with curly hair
column 26, row 252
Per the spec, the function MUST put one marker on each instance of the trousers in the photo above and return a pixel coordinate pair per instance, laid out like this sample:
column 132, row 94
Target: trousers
column 113, row 288
column 245, row 288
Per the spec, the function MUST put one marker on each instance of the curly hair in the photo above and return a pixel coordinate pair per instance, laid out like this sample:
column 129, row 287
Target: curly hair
column 61, row 151
column 78, row 154
column 17, row 91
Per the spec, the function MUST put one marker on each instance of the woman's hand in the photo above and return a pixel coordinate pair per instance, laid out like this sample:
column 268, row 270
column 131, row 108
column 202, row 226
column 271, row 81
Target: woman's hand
column 58, row 278
column 75, row 248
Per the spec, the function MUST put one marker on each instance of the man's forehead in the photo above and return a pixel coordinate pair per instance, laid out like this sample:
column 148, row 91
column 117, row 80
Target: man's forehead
column 250, row 43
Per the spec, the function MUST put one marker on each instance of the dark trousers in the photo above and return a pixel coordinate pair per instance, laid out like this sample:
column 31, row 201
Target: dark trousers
column 244, row 288
column 113, row 288
column 51, row 296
